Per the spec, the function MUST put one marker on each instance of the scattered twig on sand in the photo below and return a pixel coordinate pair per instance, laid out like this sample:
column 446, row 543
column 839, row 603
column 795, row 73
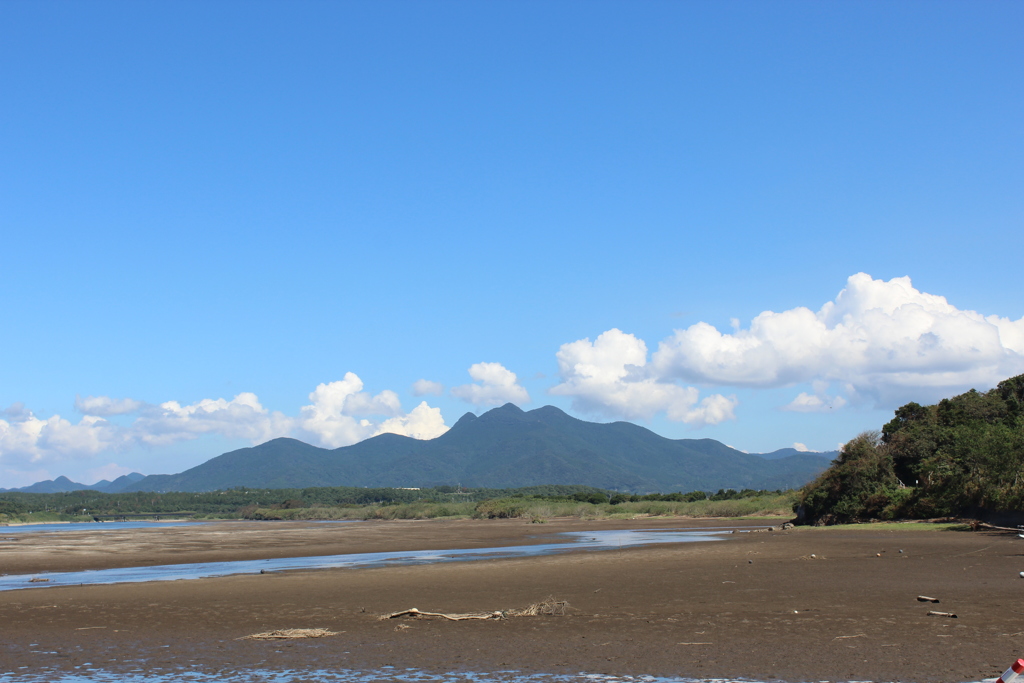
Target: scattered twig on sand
column 933, row 613
column 291, row 633
column 925, row 598
column 550, row 606
column 859, row 635
column 694, row 643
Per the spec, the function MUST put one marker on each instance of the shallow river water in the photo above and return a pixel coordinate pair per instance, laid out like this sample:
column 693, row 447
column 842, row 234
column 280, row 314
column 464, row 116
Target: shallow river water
column 566, row 542
column 65, row 527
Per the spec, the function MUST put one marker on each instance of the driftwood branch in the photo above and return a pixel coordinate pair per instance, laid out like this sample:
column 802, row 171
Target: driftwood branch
column 550, row 607
column 450, row 617
column 291, row 634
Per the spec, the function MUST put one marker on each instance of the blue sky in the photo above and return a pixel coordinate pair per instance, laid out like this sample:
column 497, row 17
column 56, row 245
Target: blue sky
column 209, row 210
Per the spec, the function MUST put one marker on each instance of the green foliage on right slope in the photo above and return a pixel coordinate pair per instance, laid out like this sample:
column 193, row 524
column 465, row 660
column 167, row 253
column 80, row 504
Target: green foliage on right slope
column 963, row 456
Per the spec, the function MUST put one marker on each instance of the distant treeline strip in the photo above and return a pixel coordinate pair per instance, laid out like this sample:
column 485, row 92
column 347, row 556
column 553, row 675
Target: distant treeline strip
column 237, row 502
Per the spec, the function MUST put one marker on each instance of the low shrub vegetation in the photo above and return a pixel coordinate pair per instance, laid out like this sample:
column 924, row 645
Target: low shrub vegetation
column 537, row 503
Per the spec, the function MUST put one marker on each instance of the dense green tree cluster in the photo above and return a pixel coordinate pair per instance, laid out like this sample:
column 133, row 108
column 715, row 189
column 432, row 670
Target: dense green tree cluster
column 963, row 456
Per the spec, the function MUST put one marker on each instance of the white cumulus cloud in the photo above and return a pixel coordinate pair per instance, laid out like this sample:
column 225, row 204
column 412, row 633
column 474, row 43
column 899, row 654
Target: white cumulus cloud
column 104, row 406
column 346, row 396
column 883, row 340
column 243, row 417
column 422, row 422
column 880, row 341
column 609, row 377
column 495, row 385
column 340, row 413
column 711, row 410
column 424, row 387
column 339, row 410
column 814, row 403
column 30, row 439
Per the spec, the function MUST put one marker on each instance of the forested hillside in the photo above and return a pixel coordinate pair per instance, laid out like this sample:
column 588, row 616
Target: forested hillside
column 963, row 456
column 503, row 448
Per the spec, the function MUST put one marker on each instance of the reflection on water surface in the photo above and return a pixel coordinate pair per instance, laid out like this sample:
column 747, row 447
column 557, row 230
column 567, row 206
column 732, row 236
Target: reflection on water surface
column 90, row 526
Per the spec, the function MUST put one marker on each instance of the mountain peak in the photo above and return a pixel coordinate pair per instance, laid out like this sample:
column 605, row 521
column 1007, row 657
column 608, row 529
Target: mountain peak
column 548, row 413
column 509, row 412
column 286, row 439
column 464, row 420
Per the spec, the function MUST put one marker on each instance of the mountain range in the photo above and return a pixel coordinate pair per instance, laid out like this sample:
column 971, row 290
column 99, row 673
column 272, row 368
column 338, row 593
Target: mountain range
column 502, row 448
column 63, row 484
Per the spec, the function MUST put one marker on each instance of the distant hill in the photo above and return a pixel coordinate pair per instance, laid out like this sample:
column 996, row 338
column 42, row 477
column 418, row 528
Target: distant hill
column 503, row 448
column 786, row 452
column 63, row 484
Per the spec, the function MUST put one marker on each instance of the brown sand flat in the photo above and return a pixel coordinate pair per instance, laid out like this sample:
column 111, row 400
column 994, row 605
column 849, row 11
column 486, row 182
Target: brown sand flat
column 754, row 605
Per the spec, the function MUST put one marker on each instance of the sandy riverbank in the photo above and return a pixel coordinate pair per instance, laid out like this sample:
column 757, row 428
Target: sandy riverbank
column 754, row 605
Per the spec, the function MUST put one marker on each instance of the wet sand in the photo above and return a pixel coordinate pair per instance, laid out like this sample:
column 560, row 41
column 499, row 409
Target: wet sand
column 754, row 605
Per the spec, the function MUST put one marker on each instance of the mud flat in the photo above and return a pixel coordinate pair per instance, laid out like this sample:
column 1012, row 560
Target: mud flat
column 756, row 605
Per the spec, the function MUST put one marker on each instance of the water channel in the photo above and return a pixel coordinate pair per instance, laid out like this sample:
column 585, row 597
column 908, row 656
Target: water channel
column 561, row 543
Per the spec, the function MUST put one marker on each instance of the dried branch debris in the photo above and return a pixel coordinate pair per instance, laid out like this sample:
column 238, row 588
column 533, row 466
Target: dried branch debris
column 549, row 606
column 291, row 633
column 546, row 607
column 450, row 617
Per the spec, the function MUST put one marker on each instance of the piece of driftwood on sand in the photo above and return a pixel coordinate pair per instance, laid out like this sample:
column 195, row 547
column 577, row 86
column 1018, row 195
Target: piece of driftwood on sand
column 290, row 634
column 550, row 607
column 413, row 612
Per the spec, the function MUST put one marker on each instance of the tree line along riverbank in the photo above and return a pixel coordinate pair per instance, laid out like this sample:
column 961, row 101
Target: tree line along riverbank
column 537, row 502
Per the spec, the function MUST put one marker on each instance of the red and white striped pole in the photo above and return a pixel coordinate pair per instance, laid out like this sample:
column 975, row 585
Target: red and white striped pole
column 1015, row 670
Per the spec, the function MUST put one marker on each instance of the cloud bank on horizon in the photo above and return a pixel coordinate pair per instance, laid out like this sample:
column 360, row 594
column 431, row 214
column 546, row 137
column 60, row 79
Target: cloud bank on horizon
column 879, row 343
